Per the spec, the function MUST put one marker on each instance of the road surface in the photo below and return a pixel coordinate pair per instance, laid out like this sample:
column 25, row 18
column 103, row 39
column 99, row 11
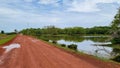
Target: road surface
column 34, row 53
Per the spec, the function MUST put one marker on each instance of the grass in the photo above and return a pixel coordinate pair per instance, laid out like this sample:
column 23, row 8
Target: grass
column 5, row 38
column 115, row 46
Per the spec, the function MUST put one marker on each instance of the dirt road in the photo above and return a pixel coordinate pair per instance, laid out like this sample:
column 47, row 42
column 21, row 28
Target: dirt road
column 34, row 53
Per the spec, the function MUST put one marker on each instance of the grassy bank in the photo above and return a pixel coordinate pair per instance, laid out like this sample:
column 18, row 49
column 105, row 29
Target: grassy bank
column 5, row 38
column 115, row 46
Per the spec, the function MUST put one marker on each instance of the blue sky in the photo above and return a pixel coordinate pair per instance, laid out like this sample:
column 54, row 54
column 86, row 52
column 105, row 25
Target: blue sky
column 20, row 14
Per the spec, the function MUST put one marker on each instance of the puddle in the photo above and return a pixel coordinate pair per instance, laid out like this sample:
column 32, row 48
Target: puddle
column 11, row 46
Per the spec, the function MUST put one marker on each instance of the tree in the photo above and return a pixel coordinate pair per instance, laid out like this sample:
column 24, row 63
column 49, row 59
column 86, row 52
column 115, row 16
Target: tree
column 116, row 28
column 2, row 32
column 16, row 31
column 103, row 30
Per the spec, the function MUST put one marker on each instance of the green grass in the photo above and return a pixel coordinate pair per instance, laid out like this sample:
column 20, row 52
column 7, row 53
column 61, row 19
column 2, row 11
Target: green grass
column 6, row 38
column 115, row 46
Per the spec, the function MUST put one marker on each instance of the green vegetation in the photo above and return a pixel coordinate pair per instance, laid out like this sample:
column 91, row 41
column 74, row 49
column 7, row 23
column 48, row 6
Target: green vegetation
column 116, row 40
column 117, row 58
column 115, row 46
column 73, row 38
column 116, row 28
column 116, row 51
column 55, row 42
column 2, row 32
column 99, row 30
column 52, row 30
column 72, row 46
column 5, row 38
column 115, row 25
column 63, row 45
column 56, row 38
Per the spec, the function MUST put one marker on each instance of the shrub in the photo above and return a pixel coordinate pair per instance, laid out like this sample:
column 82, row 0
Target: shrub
column 73, row 46
column 116, row 41
column 55, row 42
column 117, row 58
column 63, row 45
column 46, row 39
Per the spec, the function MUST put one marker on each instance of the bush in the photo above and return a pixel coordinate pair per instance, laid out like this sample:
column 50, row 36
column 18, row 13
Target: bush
column 45, row 39
column 63, row 45
column 117, row 58
column 55, row 42
column 73, row 46
column 115, row 41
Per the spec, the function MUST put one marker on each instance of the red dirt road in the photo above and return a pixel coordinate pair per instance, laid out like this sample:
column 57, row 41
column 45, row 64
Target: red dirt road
column 34, row 53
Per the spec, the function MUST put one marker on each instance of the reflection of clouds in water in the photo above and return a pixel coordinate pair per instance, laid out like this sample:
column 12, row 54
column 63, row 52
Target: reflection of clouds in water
column 102, row 51
column 87, row 46
column 65, row 42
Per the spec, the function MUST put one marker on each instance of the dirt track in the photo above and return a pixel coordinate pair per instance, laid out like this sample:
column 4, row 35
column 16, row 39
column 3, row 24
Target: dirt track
column 34, row 53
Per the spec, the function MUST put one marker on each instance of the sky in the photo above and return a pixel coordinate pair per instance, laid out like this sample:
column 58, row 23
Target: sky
column 21, row 14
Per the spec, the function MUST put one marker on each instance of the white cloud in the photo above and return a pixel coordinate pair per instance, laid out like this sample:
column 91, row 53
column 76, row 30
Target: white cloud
column 21, row 16
column 105, row 1
column 83, row 7
column 28, row 0
column 46, row 2
column 10, row 1
column 88, row 5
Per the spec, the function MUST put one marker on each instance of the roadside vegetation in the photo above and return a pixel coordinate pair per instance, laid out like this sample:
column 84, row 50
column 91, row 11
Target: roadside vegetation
column 116, row 34
column 5, row 38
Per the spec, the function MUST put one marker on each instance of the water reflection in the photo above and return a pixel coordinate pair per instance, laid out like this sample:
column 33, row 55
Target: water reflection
column 87, row 46
column 76, row 38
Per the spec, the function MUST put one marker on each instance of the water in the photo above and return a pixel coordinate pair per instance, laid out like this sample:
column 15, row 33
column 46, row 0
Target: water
column 11, row 46
column 91, row 45
column 87, row 46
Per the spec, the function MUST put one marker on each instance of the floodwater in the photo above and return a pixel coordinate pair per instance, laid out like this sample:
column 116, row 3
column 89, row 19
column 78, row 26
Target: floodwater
column 90, row 47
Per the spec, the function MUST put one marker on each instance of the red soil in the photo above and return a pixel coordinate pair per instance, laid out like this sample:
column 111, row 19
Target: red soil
column 38, row 54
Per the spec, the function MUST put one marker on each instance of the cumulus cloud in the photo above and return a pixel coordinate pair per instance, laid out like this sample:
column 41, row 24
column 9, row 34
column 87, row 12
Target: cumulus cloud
column 83, row 7
column 88, row 5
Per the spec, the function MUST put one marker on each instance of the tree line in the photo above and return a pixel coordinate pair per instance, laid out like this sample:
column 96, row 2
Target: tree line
column 52, row 30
